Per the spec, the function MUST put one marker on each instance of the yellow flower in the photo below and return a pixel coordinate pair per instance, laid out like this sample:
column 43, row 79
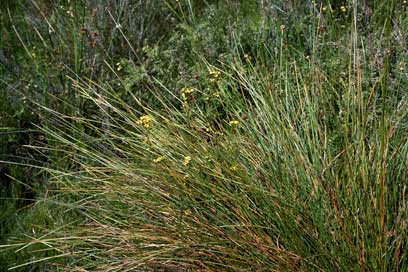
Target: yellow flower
column 215, row 76
column 185, row 92
column 233, row 167
column 186, row 160
column 119, row 67
column 145, row 121
column 159, row 159
column 216, row 94
column 343, row 9
column 188, row 212
column 233, row 123
column 324, row 8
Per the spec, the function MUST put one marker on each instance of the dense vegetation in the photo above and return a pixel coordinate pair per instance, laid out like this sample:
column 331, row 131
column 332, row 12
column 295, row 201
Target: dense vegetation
column 203, row 135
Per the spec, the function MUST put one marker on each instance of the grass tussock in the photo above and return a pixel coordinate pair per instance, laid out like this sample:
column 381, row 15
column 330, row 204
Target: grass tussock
column 280, row 182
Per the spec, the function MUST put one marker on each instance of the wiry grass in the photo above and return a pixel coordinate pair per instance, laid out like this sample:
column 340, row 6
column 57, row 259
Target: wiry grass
column 287, row 185
column 274, row 161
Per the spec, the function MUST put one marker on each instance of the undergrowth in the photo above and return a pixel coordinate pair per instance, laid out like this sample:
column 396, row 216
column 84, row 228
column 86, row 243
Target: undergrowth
column 226, row 136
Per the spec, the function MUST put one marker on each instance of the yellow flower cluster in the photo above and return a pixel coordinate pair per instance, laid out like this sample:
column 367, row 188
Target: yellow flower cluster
column 233, row 123
column 159, row 159
column 186, row 160
column 145, row 121
column 186, row 92
column 216, row 94
column 215, row 76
